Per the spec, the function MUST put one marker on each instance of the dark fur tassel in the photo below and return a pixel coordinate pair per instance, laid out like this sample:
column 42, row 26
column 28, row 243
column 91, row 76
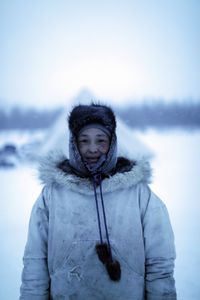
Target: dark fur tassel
column 113, row 267
column 103, row 252
column 114, row 270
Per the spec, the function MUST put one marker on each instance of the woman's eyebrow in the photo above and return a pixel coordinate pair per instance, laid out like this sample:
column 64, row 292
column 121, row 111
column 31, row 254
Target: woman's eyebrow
column 98, row 135
column 83, row 135
column 102, row 134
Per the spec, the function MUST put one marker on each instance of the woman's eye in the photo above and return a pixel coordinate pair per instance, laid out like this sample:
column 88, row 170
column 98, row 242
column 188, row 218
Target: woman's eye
column 101, row 141
column 83, row 141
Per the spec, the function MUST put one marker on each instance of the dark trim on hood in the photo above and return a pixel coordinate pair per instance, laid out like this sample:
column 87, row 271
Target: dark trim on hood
column 123, row 165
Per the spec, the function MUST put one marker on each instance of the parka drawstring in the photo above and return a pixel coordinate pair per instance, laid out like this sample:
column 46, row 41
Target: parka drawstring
column 104, row 249
column 97, row 207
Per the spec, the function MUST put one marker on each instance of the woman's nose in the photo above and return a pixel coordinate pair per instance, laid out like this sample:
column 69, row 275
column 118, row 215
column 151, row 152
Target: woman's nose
column 93, row 147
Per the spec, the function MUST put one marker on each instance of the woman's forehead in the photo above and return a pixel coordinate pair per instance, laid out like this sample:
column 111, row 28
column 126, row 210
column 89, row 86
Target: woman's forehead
column 92, row 131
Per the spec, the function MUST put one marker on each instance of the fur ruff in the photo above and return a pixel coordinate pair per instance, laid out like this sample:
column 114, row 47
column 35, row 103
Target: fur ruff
column 128, row 174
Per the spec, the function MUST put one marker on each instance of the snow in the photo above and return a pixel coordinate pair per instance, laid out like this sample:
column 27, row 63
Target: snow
column 19, row 189
column 20, row 138
column 176, row 176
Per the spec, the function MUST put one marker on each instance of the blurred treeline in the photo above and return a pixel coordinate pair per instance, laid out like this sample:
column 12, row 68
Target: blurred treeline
column 162, row 115
column 29, row 118
column 141, row 116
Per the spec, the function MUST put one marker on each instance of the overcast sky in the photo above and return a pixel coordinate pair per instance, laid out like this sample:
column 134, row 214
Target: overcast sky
column 49, row 50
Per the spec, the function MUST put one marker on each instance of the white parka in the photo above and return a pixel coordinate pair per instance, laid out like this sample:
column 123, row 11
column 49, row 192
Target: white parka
column 60, row 261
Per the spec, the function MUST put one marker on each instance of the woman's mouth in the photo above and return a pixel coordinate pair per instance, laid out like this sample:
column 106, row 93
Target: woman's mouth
column 92, row 160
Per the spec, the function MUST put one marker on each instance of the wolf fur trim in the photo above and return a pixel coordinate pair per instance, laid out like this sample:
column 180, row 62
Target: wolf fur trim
column 55, row 169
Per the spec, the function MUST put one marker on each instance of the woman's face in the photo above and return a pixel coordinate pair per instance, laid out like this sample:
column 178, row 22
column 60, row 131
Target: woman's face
column 92, row 143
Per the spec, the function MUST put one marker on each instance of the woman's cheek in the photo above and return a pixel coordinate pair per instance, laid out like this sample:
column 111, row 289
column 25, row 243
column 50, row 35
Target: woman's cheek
column 104, row 149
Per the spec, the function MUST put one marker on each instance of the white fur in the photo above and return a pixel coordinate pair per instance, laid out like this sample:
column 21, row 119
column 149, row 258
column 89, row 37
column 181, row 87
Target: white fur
column 51, row 174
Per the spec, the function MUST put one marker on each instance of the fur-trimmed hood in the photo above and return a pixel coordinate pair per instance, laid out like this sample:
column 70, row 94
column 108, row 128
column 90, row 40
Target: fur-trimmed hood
column 55, row 169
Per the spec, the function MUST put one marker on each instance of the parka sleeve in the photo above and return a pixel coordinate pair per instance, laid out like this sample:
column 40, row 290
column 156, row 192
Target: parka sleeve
column 159, row 251
column 35, row 275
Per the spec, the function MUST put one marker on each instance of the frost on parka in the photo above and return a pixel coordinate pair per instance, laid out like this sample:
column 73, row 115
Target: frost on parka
column 60, row 260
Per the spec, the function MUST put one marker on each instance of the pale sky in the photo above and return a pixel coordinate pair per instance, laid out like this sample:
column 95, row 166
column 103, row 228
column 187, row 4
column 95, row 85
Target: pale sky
column 50, row 50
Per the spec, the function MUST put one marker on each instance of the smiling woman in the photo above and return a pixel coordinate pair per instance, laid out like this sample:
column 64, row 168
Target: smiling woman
column 93, row 143
column 97, row 231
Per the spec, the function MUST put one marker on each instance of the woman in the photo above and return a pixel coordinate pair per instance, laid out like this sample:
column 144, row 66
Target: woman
column 97, row 231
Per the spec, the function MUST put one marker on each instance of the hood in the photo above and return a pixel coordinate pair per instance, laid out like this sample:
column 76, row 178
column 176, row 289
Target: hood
column 94, row 115
column 55, row 169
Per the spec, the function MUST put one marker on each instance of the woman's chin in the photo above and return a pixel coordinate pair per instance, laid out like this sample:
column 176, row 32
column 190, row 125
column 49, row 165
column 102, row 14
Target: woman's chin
column 92, row 161
column 92, row 164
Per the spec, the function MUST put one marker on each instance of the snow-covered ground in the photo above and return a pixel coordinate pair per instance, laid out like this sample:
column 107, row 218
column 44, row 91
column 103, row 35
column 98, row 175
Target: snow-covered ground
column 176, row 180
